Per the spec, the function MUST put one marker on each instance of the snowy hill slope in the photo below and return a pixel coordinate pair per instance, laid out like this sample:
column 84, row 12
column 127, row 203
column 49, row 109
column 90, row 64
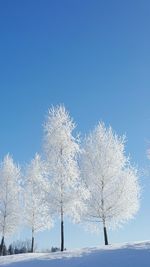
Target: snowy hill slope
column 125, row 255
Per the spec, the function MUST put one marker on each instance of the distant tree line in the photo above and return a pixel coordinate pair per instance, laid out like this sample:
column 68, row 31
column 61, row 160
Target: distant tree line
column 90, row 180
column 20, row 247
column 17, row 247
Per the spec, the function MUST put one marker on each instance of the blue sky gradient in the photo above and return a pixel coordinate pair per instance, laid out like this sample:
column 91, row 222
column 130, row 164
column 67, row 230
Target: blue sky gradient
column 94, row 57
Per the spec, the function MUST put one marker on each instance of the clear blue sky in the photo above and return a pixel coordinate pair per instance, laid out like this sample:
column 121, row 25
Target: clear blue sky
column 93, row 56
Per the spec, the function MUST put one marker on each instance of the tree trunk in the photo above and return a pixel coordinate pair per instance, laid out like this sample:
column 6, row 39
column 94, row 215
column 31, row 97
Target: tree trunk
column 2, row 246
column 32, row 244
column 105, row 235
column 62, row 230
column 103, row 209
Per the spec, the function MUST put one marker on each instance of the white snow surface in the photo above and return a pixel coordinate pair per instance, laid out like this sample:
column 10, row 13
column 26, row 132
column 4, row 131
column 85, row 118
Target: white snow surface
column 119, row 255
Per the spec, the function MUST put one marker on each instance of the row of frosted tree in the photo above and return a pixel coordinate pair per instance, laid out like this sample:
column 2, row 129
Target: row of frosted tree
column 90, row 181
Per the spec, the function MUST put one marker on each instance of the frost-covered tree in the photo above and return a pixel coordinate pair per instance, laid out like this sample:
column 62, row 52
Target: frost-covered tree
column 110, row 179
column 36, row 214
column 9, row 198
column 62, row 149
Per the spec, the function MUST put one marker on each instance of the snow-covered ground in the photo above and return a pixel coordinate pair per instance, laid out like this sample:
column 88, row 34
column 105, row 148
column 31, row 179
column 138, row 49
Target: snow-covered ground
column 124, row 255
